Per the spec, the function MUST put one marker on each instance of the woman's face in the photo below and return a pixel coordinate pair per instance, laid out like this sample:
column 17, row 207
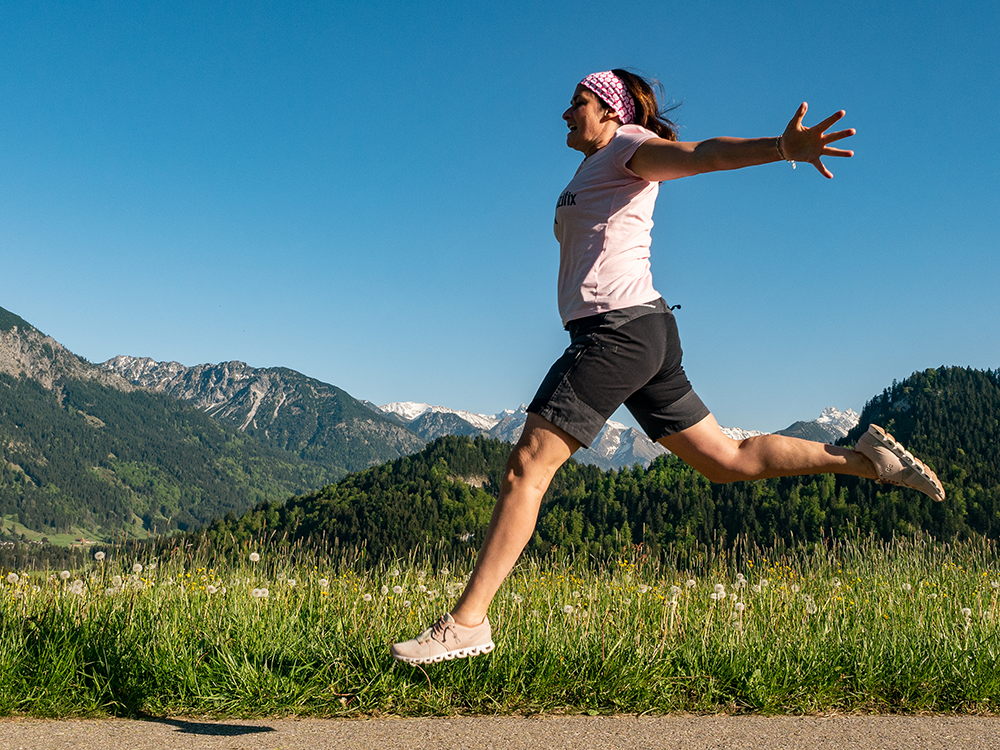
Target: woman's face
column 591, row 123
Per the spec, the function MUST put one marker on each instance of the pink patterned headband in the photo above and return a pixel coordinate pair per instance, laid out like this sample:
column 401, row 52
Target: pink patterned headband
column 613, row 92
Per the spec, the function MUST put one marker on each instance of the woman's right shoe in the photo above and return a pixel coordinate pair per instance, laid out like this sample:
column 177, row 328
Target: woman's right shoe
column 445, row 640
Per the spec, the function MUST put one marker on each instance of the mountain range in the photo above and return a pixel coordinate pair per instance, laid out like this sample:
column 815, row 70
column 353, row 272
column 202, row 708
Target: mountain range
column 141, row 446
column 321, row 422
column 86, row 453
column 616, row 446
column 280, row 407
column 438, row 501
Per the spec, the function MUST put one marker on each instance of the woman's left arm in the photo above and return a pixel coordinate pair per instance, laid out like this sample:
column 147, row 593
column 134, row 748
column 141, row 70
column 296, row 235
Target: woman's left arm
column 658, row 159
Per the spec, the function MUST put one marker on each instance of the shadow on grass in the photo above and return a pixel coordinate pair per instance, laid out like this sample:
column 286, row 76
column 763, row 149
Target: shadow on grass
column 208, row 729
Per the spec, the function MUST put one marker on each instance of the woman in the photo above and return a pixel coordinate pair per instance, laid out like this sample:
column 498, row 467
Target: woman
column 624, row 344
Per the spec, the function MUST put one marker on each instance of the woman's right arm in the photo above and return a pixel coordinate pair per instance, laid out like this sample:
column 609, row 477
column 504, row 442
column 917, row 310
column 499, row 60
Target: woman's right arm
column 658, row 159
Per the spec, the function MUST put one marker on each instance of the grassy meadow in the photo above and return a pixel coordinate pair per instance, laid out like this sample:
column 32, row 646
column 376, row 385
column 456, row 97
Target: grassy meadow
column 908, row 626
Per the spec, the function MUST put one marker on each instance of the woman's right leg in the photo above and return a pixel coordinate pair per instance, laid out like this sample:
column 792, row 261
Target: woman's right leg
column 539, row 453
column 465, row 631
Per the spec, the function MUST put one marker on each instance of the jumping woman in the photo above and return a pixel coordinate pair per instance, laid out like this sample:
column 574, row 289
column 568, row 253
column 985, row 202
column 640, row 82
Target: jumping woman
column 624, row 347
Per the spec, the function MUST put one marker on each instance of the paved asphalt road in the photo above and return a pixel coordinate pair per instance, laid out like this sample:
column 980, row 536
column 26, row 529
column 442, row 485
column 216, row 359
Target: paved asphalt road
column 512, row 733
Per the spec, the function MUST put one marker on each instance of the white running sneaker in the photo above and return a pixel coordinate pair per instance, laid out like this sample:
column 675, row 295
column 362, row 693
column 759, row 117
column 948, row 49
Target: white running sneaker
column 445, row 640
column 896, row 465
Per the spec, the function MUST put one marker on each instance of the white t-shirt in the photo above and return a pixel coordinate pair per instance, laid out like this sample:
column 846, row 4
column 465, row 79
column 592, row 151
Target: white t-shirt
column 603, row 222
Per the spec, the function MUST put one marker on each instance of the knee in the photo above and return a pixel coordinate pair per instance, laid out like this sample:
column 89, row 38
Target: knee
column 526, row 465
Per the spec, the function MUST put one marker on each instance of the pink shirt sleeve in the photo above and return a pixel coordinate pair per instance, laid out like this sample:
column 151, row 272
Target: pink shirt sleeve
column 627, row 140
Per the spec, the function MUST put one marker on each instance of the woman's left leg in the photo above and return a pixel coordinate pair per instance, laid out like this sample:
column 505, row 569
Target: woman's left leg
column 719, row 458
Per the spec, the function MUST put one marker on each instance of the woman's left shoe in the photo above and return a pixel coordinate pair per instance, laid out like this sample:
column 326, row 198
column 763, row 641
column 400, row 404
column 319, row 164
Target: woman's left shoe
column 896, row 465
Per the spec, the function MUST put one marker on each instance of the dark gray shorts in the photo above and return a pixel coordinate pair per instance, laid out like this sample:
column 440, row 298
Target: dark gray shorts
column 630, row 356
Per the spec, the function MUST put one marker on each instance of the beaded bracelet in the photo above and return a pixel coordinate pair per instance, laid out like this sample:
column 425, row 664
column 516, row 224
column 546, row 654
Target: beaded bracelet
column 777, row 146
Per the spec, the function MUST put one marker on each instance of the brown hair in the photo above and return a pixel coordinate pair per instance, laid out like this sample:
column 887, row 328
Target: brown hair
column 648, row 112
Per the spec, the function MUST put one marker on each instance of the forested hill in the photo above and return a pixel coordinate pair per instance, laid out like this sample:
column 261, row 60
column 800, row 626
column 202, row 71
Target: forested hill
column 94, row 461
column 84, row 453
column 442, row 496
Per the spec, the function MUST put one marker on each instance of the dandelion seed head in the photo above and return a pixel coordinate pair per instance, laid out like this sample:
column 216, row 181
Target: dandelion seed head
column 366, row 597
column 323, row 583
column 755, row 588
column 13, row 578
column 407, row 604
column 254, row 557
column 967, row 612
column 292, row 583
column 65, row 575
column 516, row 598
column 715, row 596
column 211, row 589
column 568, row 609
column 764, row 583
column 675, row 591
column 282, row 576
column 907, row 588
column 397, row 589
column 445, row 571
column 690, row 583
column 795, row 588
column 421, row 588
column 384, row 590
column 395, row 573
column 739, row 606
column 99, row 556
column 137, row 568
column 719, row 588
column 811, row 607
column 116, row 581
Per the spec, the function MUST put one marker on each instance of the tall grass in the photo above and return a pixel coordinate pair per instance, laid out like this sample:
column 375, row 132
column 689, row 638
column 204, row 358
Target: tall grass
column 860, row 626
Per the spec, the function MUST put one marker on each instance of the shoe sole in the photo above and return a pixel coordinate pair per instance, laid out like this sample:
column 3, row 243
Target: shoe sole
column 910, row 461
column 459, row 653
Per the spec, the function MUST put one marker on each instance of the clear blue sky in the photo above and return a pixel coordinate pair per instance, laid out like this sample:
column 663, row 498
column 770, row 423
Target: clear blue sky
column 364, row 191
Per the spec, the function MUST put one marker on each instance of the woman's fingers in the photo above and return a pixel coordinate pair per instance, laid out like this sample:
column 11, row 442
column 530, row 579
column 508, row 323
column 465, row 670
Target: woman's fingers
column 825, row 125
column 831, row 137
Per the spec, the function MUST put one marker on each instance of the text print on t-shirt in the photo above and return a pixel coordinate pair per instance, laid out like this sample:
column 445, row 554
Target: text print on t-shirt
column 566, row 199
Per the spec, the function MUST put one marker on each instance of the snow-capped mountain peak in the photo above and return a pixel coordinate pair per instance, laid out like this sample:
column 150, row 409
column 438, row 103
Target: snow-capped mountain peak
column 839, row 421
column 408, row 411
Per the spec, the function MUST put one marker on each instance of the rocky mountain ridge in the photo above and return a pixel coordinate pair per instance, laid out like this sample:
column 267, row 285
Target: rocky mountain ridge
column 281, row 407
column 27, row 352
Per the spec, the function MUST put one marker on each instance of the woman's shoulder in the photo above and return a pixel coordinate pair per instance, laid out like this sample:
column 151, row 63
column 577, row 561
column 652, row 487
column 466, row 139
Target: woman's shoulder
column 634, row 133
